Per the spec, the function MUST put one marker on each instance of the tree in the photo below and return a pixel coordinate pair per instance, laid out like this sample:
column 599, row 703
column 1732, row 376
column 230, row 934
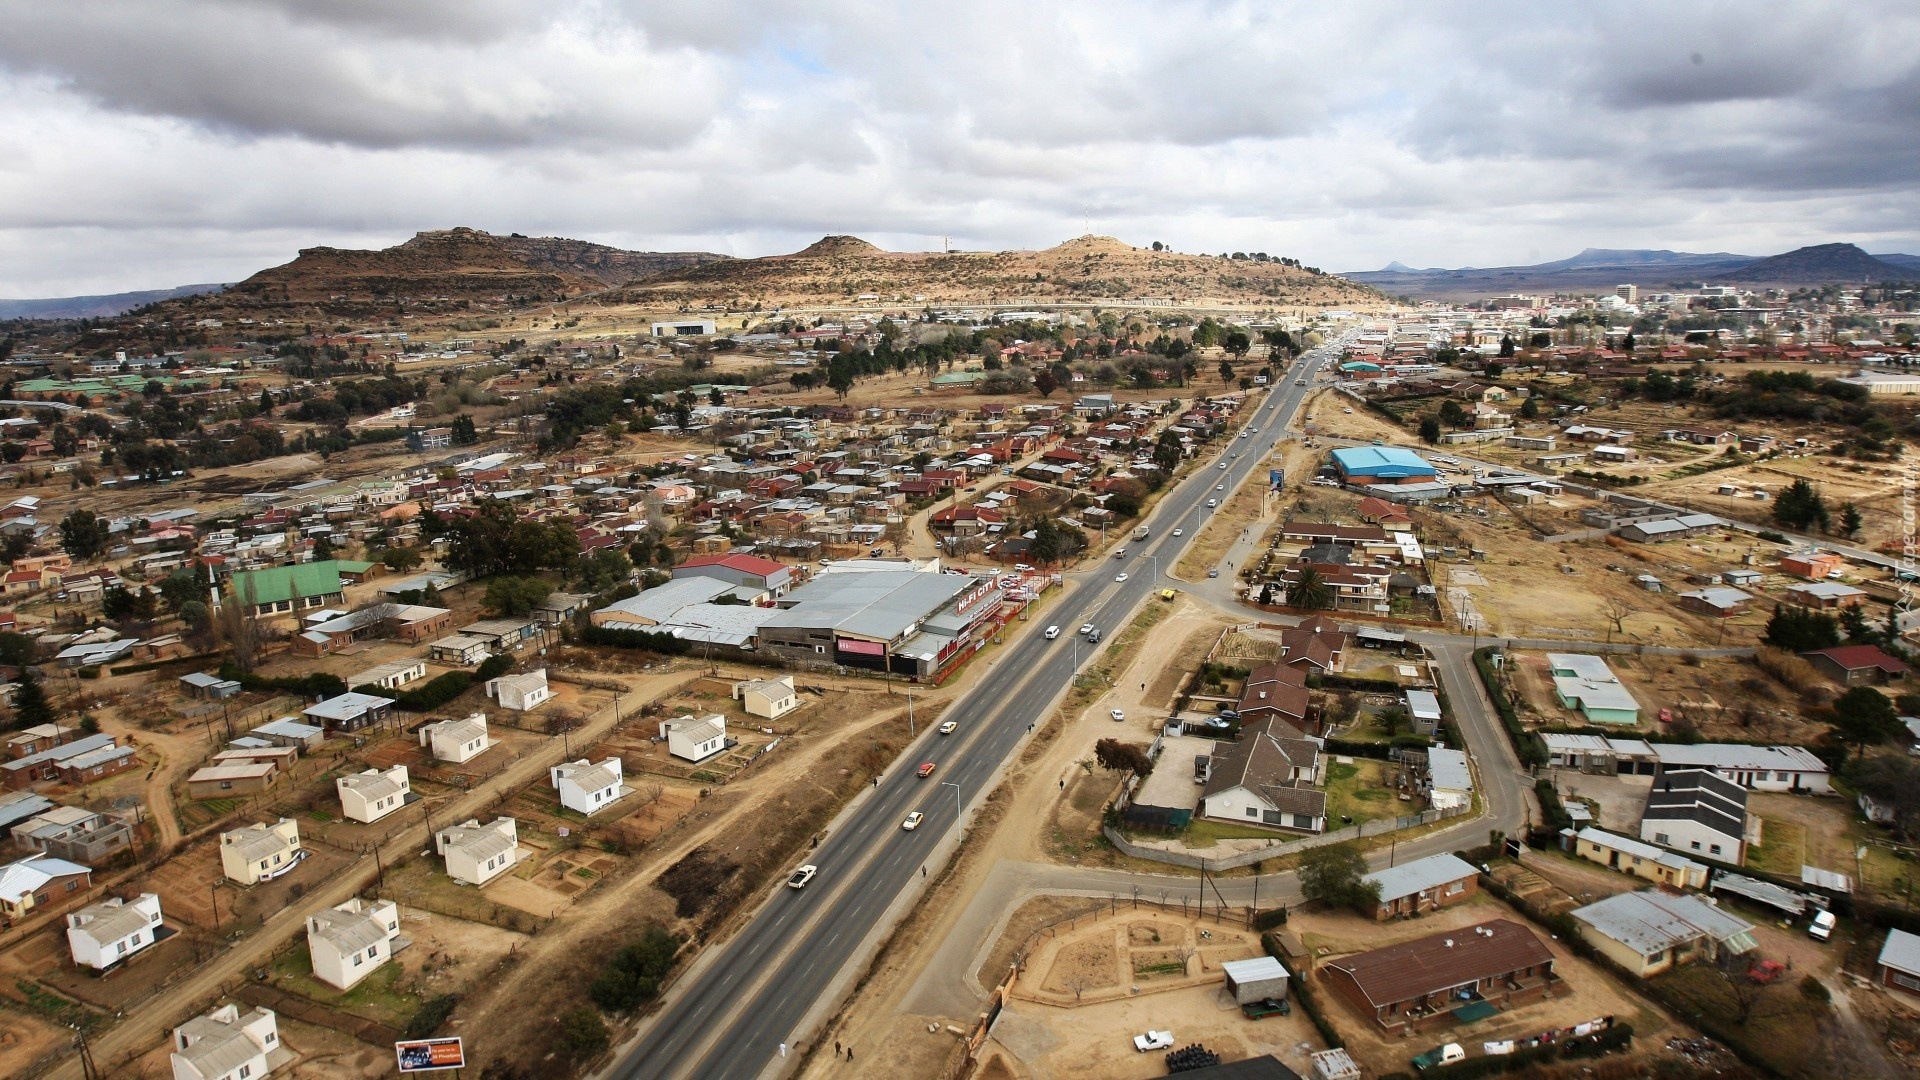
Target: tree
column 30, row 706
column 602, row 570
column 1429, row 430
column 1617, row 612
column 17, row 650
column 1850, row 520
column 179, row 589
column 1452, row 415
column 1530, row 408
column 1116, row 756
column 582, row 1033
column 462, row 431
column 239, row 625
column 322, row 548
column 514, row 595
column 1045, row 382
column 400, row 559
column 1865, row 717
column 1226, row 371
column 83, row 535
column 1334, row 874
column 1797, row 629
column 1800, row 507
column 1309, row 591
column 1237, row 342
column 266, row 403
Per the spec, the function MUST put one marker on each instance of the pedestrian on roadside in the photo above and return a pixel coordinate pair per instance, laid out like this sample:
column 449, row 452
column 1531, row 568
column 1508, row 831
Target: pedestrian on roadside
column 836, row 1049
column 783, row 1049
column 849, row 1053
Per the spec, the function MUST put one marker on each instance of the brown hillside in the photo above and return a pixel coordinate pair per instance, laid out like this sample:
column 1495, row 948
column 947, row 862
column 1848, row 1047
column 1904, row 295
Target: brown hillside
column 1087, row 269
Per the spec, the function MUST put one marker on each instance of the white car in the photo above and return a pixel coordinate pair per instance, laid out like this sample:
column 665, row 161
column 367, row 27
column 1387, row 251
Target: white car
column 1085, row 629
column 1153, row 1040
column 1223, row 464
column 1211, row 503
column 802, row 876
column 1052, row 632
column 1179, row 532
column 1219, row 487
column 913, row 821
column 1119, row 577
column 1119, row 715
column 949, row 727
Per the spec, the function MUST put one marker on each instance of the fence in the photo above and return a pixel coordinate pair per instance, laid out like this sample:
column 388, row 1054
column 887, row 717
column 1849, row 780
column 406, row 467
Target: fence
column 1271, row 851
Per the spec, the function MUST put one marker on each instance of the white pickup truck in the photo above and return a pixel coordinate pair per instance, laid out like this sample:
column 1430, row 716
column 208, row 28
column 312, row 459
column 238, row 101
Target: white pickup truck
column 1153, row 1040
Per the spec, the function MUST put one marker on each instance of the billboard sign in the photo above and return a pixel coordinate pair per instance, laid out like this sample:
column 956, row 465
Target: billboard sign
column 430, row 1055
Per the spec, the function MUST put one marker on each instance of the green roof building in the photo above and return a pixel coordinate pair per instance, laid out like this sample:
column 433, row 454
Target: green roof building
column 281, row 589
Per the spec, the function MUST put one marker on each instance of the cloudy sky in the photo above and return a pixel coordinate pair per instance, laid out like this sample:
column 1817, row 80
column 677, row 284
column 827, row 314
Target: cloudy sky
column 150, row 143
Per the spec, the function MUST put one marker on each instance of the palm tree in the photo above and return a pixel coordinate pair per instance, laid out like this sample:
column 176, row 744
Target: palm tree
column 1310, row 591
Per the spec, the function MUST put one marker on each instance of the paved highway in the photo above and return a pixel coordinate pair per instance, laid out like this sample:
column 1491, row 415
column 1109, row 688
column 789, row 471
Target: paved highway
column 734, row 1010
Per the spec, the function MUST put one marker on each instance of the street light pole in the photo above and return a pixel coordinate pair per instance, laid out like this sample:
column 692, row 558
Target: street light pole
column 909, row 712
column 956, row 803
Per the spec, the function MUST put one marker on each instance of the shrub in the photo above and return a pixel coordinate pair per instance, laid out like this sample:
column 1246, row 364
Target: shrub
column 664, row 644
column 582, row 1033
column 428, row 1017
column 632, row 975
column 493, row 667
column 1814, row 990
column 436, row 693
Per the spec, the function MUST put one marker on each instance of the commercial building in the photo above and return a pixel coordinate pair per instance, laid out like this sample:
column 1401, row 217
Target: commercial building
column 1384, row 465
column 909, row 622
column 1698, row 811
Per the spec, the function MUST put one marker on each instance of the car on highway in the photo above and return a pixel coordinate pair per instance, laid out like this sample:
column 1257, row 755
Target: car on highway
column 913, row 821
column 1219, row 487
column 1211, row 503
column 800, row 877
column 1119, row 714
column 1119, row 553
column 1085, row 629
column 1119, row 577
column 949, row 727
column 1223, row 464
column 1244, row 434
column 1179, row 532
column 926, row 769
column 1052, row 632
column 1299, row 382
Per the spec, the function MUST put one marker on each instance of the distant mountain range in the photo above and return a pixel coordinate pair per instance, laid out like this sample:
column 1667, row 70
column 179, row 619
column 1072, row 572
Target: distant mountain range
column 1603, row 268
column 91, row 307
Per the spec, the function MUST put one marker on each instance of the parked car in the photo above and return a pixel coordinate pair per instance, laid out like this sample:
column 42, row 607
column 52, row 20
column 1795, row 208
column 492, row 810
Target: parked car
column 1766, row 971
column 1153, row 1040
column 913, row 821
column 801, row 876
column 1822, row 926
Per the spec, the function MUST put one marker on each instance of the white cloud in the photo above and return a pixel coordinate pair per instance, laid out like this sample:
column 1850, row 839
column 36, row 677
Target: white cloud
column 151, row 142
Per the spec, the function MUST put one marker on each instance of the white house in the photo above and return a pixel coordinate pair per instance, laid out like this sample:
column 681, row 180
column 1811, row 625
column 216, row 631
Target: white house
column 769, row 699
column 457, row 741
column 372, row 795
column 350, row 942
column 255, row 853
column 225, row 1045
column 695, row 740
column 522, row 692
column 1449, row 780
column 476, row 853
column 586, row 787
column 1697, row 811
column 103, row 934
column 1268, row 778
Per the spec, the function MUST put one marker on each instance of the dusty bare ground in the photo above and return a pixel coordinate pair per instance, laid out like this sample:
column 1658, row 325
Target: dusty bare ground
column 1723, row 697
column 24, row 1039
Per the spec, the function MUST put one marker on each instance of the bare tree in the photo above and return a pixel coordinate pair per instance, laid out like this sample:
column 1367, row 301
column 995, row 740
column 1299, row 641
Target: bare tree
column 896, row 534
column 1617, row 611
column 239, row 625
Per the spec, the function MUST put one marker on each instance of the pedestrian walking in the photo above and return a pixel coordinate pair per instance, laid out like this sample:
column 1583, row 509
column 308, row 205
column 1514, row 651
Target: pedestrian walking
column 836, row 1049
column 849, row 1053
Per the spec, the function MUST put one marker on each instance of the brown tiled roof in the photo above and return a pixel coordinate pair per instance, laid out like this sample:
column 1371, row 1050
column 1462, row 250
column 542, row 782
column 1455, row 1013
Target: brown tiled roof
column 1263, row 759
column 1428, row 965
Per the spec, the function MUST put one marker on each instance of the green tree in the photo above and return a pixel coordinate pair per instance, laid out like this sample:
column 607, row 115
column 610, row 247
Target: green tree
column 322, row 548
column 1850, row 521
column 1865, row 717
column 1226, row 371
column 1334, row 874
column 1237, row 342
column 1429, row 430
column 83, row 534
column 17, row 650
column 30, row 707
column 1800, row 507
column 514, row 595
column 1798, row 629
column 603, row 570
column 1309, row 591
column 462, row 431
column 400, row 559
column 1452, row 415
column 181, row 588
column 582, row 1033
column 1116, row 756
column 266, row 403
column 1530, row 409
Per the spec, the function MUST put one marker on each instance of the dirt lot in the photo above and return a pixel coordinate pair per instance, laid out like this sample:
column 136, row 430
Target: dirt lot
column 182, row 884
column 1723, row 697
column 25, row 1039
column 1331, row 934
column 319, row 1053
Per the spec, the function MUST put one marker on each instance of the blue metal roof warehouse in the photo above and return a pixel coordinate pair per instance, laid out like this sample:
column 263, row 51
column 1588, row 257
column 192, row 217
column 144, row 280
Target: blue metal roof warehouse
column 1371, row 464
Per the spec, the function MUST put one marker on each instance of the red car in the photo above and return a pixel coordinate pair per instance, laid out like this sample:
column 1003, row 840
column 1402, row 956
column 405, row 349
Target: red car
column 926, row 770
column 1766, row 971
